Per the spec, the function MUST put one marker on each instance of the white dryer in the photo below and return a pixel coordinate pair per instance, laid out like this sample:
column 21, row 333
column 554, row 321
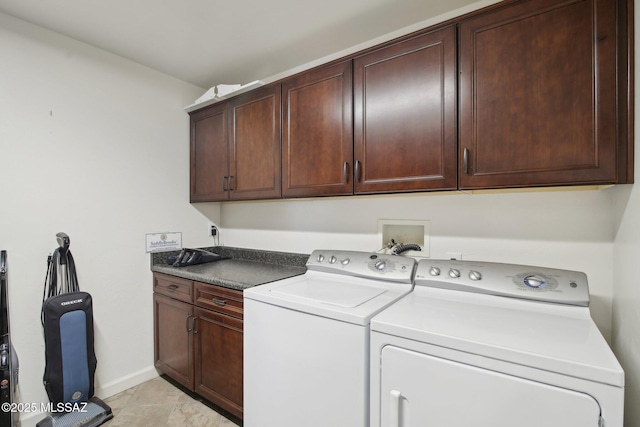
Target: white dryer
column 306, row 339
column 493, row 345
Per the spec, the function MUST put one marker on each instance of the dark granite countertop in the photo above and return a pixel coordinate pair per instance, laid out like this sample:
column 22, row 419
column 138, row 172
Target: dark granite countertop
column 245, row 268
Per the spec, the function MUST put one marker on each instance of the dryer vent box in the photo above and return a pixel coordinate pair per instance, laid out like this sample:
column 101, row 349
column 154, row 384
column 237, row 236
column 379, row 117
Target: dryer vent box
column 405, row 231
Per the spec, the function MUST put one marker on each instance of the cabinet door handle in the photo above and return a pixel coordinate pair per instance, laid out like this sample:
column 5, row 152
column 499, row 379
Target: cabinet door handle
column 394, row 408
column 193, row 325
column 189, row 329
column 358, row 171
column 465, row 160
column 219, row 302
column 172, row 288
column 224, row 183
column 231, row 183
column 345, row 171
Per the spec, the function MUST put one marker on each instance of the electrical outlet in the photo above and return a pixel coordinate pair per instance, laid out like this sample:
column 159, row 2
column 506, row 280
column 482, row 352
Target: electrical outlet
column 212, row 229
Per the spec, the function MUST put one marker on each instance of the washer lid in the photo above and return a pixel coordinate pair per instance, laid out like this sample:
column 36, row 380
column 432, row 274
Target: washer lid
column 336, row 293
column 547, row 336
column 340, row 297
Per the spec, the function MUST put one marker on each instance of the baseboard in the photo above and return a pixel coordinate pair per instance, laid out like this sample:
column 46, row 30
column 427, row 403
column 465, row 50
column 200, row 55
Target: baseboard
column 121, row 384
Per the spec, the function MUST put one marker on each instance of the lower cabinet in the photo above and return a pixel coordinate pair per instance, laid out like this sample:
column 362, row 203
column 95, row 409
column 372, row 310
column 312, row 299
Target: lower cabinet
column 173, row 342
column 198, row 343
column 218, row 359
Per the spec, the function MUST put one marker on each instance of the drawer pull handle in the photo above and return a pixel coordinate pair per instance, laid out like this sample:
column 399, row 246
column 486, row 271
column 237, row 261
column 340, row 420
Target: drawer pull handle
column 172, row 287
column 189, row 329
column 358, row 171
column 193, row 325
column 219, row 302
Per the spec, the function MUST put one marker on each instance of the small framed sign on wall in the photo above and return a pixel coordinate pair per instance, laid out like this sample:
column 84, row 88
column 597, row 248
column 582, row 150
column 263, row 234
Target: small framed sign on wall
column 163, row 242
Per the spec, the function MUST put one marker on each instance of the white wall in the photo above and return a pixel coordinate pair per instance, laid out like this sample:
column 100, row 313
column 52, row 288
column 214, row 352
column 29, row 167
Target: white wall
column 95, row 146
column 626, row 301
column 626, row 286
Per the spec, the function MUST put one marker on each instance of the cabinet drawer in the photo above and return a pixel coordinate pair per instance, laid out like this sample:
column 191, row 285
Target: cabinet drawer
column 223, row 300
column 174, row 287
column 210, row 318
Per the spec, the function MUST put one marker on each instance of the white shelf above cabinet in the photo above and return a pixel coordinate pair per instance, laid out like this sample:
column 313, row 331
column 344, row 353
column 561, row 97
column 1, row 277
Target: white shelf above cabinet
column 210, row 97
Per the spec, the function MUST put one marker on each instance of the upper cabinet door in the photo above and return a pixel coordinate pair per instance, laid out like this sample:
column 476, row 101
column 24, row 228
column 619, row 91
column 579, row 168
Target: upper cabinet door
column 254, row 126
column 405, row 115
column 317, row 132
column 209, row 154
column 538, row 95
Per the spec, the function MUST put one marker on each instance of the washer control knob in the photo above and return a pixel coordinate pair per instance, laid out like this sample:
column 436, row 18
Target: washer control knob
column 345, row 261
column 320, row 258
column 475, row 275
column 380, row 265
column 434, row 271
column 332, row 259
column 454, row 274
column 534, row 281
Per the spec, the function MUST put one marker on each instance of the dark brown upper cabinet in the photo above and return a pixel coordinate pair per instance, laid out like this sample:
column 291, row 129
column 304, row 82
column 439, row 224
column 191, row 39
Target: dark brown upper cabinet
column 522, row 93
column 317, row 132
column 209, row 154
column 539, row 92
column 235, row 148
column 405, row 133
column 254, row 133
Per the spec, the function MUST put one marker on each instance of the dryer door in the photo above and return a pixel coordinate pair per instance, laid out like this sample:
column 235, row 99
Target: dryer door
column 423, row 390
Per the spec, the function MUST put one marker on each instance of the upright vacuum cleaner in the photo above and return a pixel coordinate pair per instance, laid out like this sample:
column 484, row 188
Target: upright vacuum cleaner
column 67, row 319
column 8, row 356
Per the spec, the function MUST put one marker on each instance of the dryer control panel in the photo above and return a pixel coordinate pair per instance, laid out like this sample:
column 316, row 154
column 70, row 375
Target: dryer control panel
column 390, row 268
column 510, row 280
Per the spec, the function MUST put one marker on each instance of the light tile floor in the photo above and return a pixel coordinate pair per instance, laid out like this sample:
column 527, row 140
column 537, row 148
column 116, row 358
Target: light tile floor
column 159, row 403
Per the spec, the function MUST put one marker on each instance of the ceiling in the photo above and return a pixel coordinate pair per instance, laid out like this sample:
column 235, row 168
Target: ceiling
column 209, row 42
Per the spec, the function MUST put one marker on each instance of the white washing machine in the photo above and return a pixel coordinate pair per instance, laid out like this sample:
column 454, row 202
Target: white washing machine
column 493, row 345
column 306, row 339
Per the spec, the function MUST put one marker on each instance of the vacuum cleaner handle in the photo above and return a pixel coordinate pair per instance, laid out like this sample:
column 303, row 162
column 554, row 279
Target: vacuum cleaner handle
column 3, row 263
column 63, row 241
